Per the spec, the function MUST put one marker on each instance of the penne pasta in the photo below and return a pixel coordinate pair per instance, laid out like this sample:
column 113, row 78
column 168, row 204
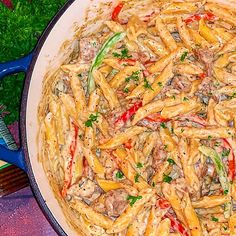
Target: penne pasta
column 164, row 227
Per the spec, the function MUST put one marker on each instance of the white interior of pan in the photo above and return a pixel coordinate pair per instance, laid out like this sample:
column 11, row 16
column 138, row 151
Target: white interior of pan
column 50, row 52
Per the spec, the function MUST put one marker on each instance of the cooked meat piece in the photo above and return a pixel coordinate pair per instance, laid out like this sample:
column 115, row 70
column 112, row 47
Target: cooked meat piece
column 151, row 125
column 205, row 56
column 181, row 83
column 85, row 189
column 88, row 48
column 206, row 89
column 116, row 202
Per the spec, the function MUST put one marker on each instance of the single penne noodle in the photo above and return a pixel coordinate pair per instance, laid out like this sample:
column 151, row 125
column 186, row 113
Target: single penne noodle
column 164, row 227
column 103, row 126
column 123, row 137
column 211, row 112
column 180, row 109
column 94, row 99
column 108, row 185
column 92, row 216
column 189, row 171
column 207, row 33
column 69, row 104
column 198, row 39
column 180, row 8
column 211, row 132
column 107, row 91
column 184, row 33
column 93, row 161
column 51, row 136
column 225, row 77
column 114, row 26
column 114, row 63
column 120, row 77
column 170, row 194
column 165, row 35
column 232, row 225
column 78, row 92
column 191, row 216
column 106, row 70
column 193, row 151
column 228, row 47
column 194, row 88
column 157, row 47
column 211, row 201
column 89, row 137
column 158, row 84
column 122, row 222
column 153, row 222
column 221, row 13
column 189, row 69
column 167, row 140
column 166, row 60
column 76, row 68
column 150, row 143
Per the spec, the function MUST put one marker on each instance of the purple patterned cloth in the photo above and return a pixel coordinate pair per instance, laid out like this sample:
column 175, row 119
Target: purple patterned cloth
column 20, row 215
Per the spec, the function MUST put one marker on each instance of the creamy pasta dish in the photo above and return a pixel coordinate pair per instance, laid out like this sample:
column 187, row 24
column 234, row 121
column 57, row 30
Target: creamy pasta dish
column 137, row 131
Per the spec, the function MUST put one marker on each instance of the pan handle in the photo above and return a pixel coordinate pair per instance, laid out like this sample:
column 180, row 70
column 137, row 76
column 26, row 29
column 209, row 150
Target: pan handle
column 20, row 65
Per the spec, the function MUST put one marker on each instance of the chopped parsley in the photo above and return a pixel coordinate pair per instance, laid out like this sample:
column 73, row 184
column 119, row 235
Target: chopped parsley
column 163, row 125
column 171, row 161
column 167, row 178
column 80, row 75
column 209, row 137
column 225, row 228
column 225, row 152
column 119, row 175
column 123, row 55
column 147, row 85
column 126, row 90
column 174, row 97
column 226, row 191
column 183, row 56
column 182, row 130
column 165, row 147
column 232, row 96
column 160, row 84
column 153, row 184
column 136, row 178
column 185, row 99
column 214, row 219
column 134, row 76
column 92, row 118
column 139, row 165
column 217, row 144
column 133, row 199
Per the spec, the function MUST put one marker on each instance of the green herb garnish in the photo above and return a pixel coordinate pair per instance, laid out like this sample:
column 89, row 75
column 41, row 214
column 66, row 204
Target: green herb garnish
column 153, row 184
column 119, row 175
column 183, row 56
column 160, row 84
column 165, row 147
column 214, row 219
column 147, row 85
column 225, row 152
column 139, row 165
column 171, row 161
column 133, row 199
column 123, row 55
column 134, row 76
column 167, row 178
column 163, row 125
column 126, row 90
column 92, row 118
column 226, row 191
column 209, row 137
column 185, row 99
column 136, row 177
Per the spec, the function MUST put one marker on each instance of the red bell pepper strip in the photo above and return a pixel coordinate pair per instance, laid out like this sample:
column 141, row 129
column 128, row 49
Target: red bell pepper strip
column 156, row 118
column 231, row 160
column 8, row 3
column 176, row 225
column 202, row 75
column 128, row 114
column 197, row 17
column 68, row 172
column 163, row 203
column 130, row 62
column 117, row 11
